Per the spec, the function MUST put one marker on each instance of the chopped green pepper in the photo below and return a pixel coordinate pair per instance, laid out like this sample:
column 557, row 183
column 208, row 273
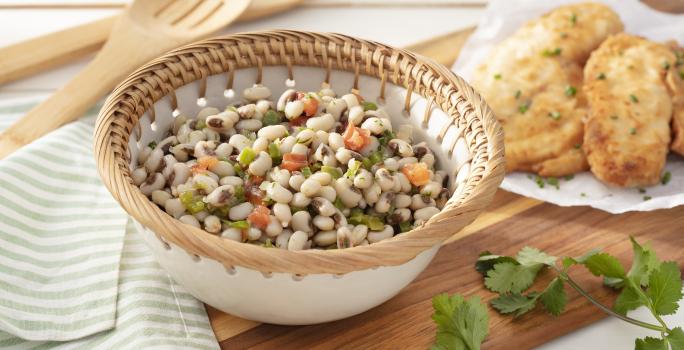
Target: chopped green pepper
column 268, row 243
column 555, row 115
column 152, row 145
column 353, row 169
column 374, row 223
column 246, row 156
column 338, row 203
column 274, row 152
column 242, row 224
column 375, row 157
column 570, row 90
column 666, row 178
column 333, row 171
column 238, row 170
column 306, row 171
column 201, row 124
column 369, row 106
column 239, row 193
column 405, row 226
column 386, row 137
column 272, row 117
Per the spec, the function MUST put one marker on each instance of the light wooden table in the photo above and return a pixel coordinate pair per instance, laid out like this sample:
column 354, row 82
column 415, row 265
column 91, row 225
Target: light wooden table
column 372, row 19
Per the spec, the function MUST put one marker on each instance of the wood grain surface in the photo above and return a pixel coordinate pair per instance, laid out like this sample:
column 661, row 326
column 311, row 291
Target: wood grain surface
column 510, row 223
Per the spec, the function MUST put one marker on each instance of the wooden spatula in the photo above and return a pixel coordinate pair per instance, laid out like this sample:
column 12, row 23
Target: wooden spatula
column 145, row 30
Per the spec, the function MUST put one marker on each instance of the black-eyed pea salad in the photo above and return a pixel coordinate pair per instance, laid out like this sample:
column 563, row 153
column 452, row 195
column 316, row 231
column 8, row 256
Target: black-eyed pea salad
column 308, row 170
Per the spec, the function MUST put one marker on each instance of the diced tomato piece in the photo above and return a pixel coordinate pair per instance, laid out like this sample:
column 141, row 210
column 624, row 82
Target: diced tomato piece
column 259, row 217
column 254, row 195
column 203, row 163
column 356, row 138
column 310, row 106
column 417, row 173
column 255, row 180
column 299, row 121
column 294, row 161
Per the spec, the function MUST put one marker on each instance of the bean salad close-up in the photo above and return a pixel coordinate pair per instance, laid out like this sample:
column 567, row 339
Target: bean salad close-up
column 308, row 171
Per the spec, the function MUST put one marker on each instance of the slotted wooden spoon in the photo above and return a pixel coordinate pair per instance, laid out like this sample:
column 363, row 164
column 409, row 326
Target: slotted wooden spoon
column 145, row 30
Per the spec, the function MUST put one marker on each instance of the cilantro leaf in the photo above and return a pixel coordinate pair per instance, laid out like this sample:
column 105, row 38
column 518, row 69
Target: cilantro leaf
column 665, row 288
column 645, row 261
column 487, row 260
column 650, row 343
column 461, row 324
column 529, row 256
column 606, row 265
column 510, row 278
column 554, row 298
column 676, row 338
column 569, row 261
column 629, row 299
column 515, row 303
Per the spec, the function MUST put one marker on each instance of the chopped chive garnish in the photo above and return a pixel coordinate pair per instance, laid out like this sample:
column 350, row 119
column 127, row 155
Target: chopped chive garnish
column 647, row 198
column 540, row 181
column 573, row 19
column 523, row 108
column 570, row 90
column 550, row 53
column 601, row 76
column 569, row 177
column 578, row 145
column 554, row 115
column 517, row 94
column 666, row 65
column 583, row 194
column 614, row 117
column 553, row 182
column 634, row 98
column 681, row 74
column 497, row 76
column 152, row 145
column 563, row 35
column 632, row 131
column 666, row 178
column 642, row 190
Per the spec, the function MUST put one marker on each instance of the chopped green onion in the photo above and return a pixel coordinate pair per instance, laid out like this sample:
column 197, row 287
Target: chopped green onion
column 583, row 194
column 555, row 115
column 523, row 108
column 333, row 171
column 647, row 198
column 242, row 224
column 338, row 203
column 666, row 65
column 272, row 117
column 405, row 226
column 246, row 156
column 196, row 206
column 642, row 190
column 353, row 169
column 239, row 193
column 367, row 164
column 369, row 106
column 296, row 209
column 386, row 137
column 186, row 198
column 601, row 76
column 549, row 53
column 614, row 117
column 632, row 131
column 274, row 152
column 573, row 19
column 570, row 90
column 553, row 181
column 681, row 73
column 316, row 167
column 569, row 177
column 634, row 98
column 152, row 145
column 578, row 145
column 517, row 94
column 201, row 124
column 540, row 181
column 497, row 76
column 238, row 170
column 666, row 178
column 374, row 223
column 375, row 157
column 306, row 171
column 268, row 243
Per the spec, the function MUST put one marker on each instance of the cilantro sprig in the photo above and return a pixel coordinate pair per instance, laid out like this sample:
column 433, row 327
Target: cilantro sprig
column 461, row 323
column 649, row 282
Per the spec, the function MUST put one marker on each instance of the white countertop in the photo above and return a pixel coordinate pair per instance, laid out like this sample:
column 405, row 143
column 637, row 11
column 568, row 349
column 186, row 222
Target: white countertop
column 400, row 24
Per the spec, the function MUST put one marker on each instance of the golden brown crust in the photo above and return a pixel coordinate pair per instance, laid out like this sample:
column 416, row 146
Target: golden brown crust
column 627, row 131
column 529, row 80
column 675, row 82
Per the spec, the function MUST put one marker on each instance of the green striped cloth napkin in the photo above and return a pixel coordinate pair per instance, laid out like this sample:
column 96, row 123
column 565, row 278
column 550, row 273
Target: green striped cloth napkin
column 74, row 273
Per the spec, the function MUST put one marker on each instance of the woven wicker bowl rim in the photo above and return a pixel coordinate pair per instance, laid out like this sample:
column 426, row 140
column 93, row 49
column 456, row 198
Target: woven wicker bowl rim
column 222, row 55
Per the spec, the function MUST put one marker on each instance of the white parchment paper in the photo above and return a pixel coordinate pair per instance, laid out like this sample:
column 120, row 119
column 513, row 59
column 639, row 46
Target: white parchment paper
column 501, row 19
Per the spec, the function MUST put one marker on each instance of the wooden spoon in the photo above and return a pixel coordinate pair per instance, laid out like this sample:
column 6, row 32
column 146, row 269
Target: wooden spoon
column 145, row 30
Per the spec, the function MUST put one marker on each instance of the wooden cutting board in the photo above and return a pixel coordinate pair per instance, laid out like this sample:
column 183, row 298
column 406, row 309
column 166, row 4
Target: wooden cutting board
column 511, row 223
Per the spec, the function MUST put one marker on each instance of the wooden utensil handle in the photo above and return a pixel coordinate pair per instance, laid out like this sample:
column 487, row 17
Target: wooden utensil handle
column 45, row 52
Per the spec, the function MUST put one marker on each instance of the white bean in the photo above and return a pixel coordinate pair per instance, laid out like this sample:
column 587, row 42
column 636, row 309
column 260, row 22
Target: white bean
column 190, row 220
column 344, row 238
column 310, row 187
column 350, row 100
column 159, row 197
column 233, row 234
column 372, row 193
column 431, row 189
column 222, row 169
column 323, row 206
column 272, row 132
column 402, row 200
column 384, row 202
column 324, row 122
column 239, row 142
column 349, row 196
column 287, row 144
column 283, row 213
column 294, row 109
column 299, row 200
column 231, row 180
column 201, row 215
column 154, row 182
column 223, row 121
column 253, row 234
column 391, row 164
column 274, row 227
column 325, row 238
column 240, row 211
column 335, row 141
column 300, row 149
column 279, row 193
column 336, row 107
column 301, row 221
column 282, row 239
column 384, row 179
column 206, row 112
column 297, row 241
column 343, row 155
column 261, row 164
column 249, row 124
column 377, row 236
column 363, row 179
column 155, row 161
column 359, row 233
column 323, row 222
column 419, row 202
column 139, row 175
column 221, row 196
column 404, row 183
column 174, row 207
column 322, row 178
column 286, row 97
column 356, row 115
column 263, row 106
column 328, row 192
column 212, row 224
column 260, row 144
column 375, row 125
column 281, row 176
column 305, row 136
column 425, row 213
